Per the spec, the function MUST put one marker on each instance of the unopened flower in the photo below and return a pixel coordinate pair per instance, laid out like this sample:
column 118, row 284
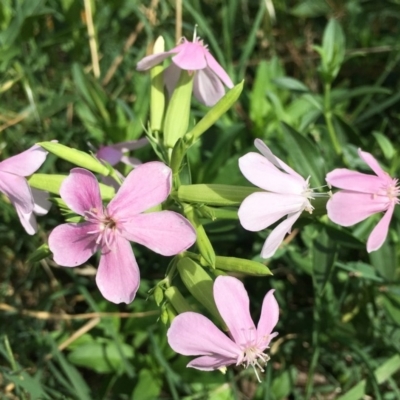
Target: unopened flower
column 288, row 194
column 362, row 196
column 209, row 78
column 13, row 184
column 109, row 229
column 192, row 334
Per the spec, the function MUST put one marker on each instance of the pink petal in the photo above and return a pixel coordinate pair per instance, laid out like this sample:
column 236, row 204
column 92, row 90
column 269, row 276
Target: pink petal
column 346, row 208
column 171, row 77
column 343, row 178
column 118, row 276
column 218, row 70
column 72, row 244
column 267, row 153
column 146, row 186
column 276, row 237
column 262, row 173
column 41, row 203
column 25, row 163
column 268, row 319
column 16, row 188
column 372, row 163
column 379, row 233
column 192, row 334
column 131, row 161
column 130, row 145
column 81, row 192
column 210, row 363
column 262, row 209
column 207, row 88
column 28, row 221
column 109, row 154
column 232, row 302
column 164, row 232
column 154, row 59
column 191, row 56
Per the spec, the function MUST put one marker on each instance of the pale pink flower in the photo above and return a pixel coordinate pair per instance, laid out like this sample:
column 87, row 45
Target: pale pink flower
column 109, row 229
column 287, row 194
column 193, row 56
column 363, row 196
column 13, row 184
column 192, row 334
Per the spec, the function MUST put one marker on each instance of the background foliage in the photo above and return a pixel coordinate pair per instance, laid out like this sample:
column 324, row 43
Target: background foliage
column 306, row 79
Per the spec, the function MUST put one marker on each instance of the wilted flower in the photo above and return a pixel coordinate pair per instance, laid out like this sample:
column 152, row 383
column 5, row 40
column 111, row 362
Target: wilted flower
column 109, row 229
column 362, row 196
column 192, row 334
column 287, row 194
column 13, row 184
column 193, row 57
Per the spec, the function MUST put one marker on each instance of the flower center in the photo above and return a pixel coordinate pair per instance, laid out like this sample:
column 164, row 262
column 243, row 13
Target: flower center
column 106, row 226
column 393, row 191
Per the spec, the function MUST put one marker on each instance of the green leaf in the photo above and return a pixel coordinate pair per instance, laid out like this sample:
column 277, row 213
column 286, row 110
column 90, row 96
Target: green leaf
column 291, row 84
column 306, row 157
column 101, row 356
column 385, row 144
column 148, row 387
column 360, row 270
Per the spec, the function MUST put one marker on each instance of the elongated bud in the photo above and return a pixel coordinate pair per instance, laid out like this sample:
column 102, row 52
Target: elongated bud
column 233, row 264
column 215, row 194
column 177, row 117
column 202, row 241
column 177, row 300
column 76, row 157
column 157, row 97
column 216, row 112
column 52, row 184
column 199, row 284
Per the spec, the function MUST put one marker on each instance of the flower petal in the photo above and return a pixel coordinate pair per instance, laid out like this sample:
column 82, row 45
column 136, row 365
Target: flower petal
column 262, row 173
column 80, row 191
column 372, row 163
column 25, row 163
column 379, row 233
column 277, row 235
column 164, row 232
column 347, row 208
column 71, row 244
column 343, row 178
column 146, row 186
column 171, row 77
column 191, row 56
column 210, row 363
column 109, row 154
column 268, row 319
column 16, row 188
column 28, row 221
column 41, row 203
column 232, row 302
column 262, row 209
column 131, row 161
column 207, row 88
column 130, row 144
column 267, row 153
column 152, row 60
column 192, row 334
column 218, row 70
column 118, row 276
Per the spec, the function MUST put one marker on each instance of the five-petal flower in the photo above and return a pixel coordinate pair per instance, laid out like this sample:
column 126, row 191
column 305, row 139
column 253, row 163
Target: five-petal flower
column 13, row 184
column 109, row 229
column 192, row 56
column 362, row 196
column 287, row 194
column 192, row 334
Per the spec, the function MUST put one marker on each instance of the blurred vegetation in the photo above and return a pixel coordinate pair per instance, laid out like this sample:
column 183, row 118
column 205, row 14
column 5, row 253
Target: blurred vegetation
column 339, row 332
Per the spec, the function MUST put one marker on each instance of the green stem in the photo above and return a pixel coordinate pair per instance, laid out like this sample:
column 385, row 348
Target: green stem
column 328, row 119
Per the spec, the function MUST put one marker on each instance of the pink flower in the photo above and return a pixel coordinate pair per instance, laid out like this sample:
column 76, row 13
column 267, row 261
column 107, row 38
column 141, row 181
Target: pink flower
column 363, row 196
column 109, row 229
column 192, row 334
column 13, row 184
column 113, row 154
column 192, row 56
column 287, row 194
